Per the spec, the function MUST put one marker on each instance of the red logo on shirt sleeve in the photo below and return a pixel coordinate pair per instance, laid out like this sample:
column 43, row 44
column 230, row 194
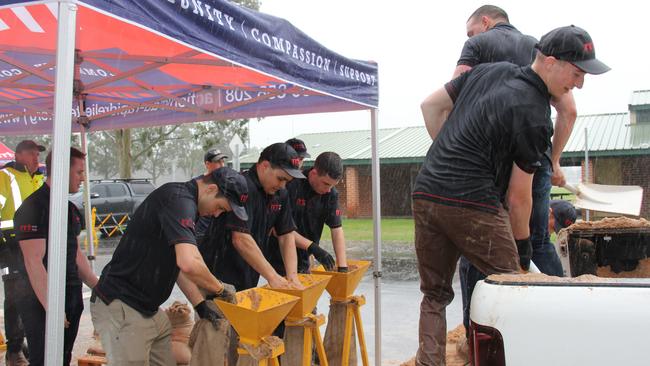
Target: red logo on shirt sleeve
column 188, row 223
column 301, row 202
column 337, row 212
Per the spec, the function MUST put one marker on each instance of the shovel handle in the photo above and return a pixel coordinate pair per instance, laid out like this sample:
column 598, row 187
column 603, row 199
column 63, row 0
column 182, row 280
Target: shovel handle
column 571, row 188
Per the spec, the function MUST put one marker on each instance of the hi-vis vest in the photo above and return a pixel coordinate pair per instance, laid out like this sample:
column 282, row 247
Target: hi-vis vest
column 15, row 186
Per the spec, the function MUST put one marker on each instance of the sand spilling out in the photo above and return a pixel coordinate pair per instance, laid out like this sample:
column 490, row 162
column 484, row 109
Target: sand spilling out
column 454, row 357
column 642, row 270
column 540, row 277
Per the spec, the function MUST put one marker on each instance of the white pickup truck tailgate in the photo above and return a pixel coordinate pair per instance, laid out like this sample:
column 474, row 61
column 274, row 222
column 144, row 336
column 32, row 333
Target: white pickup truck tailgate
column 568, row 323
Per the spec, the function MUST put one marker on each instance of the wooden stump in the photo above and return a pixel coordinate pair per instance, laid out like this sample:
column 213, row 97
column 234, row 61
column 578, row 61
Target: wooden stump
column 335, row 333
column 294, row 338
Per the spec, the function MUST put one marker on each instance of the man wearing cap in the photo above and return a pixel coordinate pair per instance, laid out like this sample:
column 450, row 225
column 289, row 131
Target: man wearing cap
column 157, row 250
column 300, row 148
column 213, row 159
column 481, row 161
column 18, row 180
column 32, row 233
column 234, row 249
column 314, row 203
column 562, row 214
column 491, row 38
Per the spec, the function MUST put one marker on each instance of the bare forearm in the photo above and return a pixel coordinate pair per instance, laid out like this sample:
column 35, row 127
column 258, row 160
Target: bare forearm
column 288, row 250
column 519, row 213
column 338, row 242
column 434, row 111
column 301, row 241
column 86, row 273
column 191, row 291
column 200, row 275
column 248, row 249
column 566, row 117
column 37, row 275
column 520, row 201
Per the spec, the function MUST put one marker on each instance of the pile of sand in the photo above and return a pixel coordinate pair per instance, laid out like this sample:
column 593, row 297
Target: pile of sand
column 453, row 357
column 610, row 223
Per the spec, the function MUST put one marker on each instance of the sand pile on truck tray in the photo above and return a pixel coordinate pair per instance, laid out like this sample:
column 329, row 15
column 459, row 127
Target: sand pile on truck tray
column 642, row 269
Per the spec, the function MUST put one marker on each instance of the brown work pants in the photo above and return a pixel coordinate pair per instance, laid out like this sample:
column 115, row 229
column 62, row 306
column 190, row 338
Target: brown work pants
column 442, row 234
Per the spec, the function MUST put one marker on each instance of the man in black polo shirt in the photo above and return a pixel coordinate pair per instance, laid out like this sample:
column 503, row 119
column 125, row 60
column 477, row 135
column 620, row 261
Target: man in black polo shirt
column 482, row 159
column 31, row 224
column 234, row 249
column 491, row 38
column 314, row 203
column 157, row 250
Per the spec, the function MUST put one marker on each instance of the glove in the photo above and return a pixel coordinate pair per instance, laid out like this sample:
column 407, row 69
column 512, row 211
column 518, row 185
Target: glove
column 228, row 293
column 322, row 256
column 342, row 269
column 208, row 310
column 525, row 250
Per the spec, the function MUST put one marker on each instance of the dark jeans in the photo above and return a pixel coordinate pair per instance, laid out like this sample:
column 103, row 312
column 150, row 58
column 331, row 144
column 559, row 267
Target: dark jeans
column 545, row 256
column 34, row 322
column 14, row 287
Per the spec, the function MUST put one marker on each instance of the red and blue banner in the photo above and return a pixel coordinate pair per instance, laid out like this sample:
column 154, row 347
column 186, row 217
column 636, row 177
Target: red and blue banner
column 156, row 62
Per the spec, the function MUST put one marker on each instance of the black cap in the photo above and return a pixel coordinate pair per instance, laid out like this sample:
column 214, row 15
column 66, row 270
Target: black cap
column 233, row 186
column 572, row 44
column 283, row 156
column 214, row 155
column 299, row 146
column 564, row 214
column 29, row 145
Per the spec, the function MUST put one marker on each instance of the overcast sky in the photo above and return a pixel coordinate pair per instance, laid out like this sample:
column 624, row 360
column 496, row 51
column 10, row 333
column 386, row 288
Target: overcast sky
column 417, row 44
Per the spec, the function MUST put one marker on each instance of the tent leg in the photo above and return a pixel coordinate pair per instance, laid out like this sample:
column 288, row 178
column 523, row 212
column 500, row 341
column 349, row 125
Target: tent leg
column 376, row 217
column 90, row 237
column 65, row 48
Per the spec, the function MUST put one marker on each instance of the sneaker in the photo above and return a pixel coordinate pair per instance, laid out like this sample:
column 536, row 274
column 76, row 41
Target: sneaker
column 16, row 359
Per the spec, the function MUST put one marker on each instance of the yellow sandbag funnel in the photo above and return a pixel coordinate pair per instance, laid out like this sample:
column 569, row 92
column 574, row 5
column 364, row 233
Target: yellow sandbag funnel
column 257, row 313
column 342, row 285
column 314, row 287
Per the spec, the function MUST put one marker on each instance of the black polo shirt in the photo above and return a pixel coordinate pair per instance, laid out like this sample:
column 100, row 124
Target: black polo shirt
column 503, row 42
column 310, row 211
column 32, row 221
column 501, row 115
column 143, row 269
column 265, row 212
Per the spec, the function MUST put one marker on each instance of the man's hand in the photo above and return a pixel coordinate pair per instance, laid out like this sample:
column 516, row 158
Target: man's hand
column 227, row 294
column 66, row 323
column 208, row 310
column 278, row 282
column 525, row 250
column 322, row 256
column 294, row 282
column 558, row 179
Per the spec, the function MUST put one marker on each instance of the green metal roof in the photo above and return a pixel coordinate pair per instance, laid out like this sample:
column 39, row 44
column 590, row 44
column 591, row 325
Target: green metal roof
column 640, row 97
column 609, row 135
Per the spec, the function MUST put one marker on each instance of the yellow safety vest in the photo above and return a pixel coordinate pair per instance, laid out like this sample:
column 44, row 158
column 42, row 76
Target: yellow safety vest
column 15, row 186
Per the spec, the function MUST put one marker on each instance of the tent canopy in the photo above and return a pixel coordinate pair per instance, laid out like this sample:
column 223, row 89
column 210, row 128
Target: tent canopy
column 152, row 62
column 6, row 154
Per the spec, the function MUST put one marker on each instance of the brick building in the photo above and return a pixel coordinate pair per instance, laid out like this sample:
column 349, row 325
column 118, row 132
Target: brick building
column 619, row 153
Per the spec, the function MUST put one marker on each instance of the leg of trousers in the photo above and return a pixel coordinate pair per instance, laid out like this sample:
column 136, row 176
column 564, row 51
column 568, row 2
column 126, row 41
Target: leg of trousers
column 129, row 338
column 442, row 234
column 14, row 288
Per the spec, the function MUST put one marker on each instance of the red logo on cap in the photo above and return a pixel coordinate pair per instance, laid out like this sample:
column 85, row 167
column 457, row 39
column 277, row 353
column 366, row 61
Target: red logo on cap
column 588, row 47
column 243, row 198
column 568, row 222
column 295, row 162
